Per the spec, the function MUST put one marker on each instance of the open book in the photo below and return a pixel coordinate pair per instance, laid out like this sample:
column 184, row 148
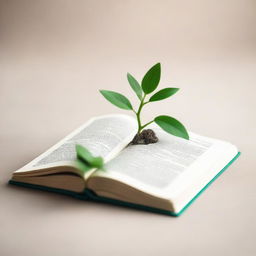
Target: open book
column 165, row 176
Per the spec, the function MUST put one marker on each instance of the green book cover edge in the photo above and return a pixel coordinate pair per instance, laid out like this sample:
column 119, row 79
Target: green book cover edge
column 90, row 195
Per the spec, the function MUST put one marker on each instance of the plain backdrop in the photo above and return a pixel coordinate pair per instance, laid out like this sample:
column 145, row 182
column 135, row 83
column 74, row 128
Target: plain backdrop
column 56, row 55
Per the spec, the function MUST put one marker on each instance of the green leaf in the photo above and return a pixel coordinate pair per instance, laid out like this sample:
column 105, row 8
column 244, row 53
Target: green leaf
column 135, row 85
column 85, row 155
column 163, row 94
column 172, row 126
column 97, row 162
column 117, row 99
column 82, row 166
column 151, row 80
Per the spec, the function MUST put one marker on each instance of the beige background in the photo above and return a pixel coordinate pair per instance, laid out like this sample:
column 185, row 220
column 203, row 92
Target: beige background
column 55, row 55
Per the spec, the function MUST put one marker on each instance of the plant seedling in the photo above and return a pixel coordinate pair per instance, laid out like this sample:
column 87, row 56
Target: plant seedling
column 148, row 85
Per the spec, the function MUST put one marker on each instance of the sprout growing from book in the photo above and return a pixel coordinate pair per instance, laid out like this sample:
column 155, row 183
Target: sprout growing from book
column 148, row 85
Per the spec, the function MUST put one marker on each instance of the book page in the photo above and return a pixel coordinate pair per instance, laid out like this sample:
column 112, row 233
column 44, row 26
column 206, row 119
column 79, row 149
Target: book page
column 103, row 136
column 155, row 167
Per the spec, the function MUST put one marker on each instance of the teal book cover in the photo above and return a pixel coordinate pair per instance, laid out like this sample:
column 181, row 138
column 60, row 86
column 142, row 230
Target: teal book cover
column 91, row 196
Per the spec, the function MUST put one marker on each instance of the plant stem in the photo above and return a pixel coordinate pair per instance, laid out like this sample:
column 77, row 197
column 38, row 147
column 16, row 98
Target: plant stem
column 140, row 126
column 143, row 126
column 138, row 113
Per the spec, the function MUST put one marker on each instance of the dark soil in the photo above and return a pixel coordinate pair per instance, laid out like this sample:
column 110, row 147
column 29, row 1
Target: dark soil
column 147, row 136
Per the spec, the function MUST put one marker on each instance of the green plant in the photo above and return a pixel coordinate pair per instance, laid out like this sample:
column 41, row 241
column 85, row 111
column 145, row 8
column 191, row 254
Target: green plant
column 86, row 161
column 148, row 85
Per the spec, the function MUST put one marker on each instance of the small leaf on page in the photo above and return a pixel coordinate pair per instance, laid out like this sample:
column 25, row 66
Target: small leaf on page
column 82, row 166
column 85, row 155
column 97, row 162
